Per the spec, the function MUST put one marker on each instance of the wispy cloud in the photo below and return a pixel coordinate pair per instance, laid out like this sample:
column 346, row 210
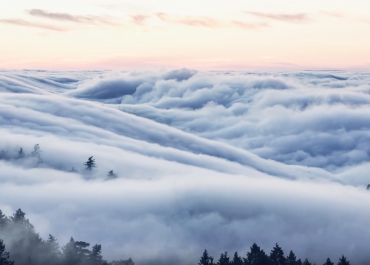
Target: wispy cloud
column 139, row 19
column 83, row 19
column 190, row 20
column 294, row 18
column 208, row 22
column 25, row 23
column 245, row 25
column 333, row 14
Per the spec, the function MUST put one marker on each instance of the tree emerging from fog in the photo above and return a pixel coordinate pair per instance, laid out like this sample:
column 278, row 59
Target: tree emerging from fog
column 20, row 244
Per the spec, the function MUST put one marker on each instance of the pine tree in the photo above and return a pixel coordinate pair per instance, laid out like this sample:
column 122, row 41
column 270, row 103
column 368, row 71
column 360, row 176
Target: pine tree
column 4, row 256
column 95, row 256
column 328, row 262
column 36, row 150
column 73, row 170
column 343, row 261
column 26, row 239
column 306, row 262
column 256, row 256
column 52, row 248
column 37, row 153
column 111, row 175
column 299, row 262
column 69, row 252
column 4, row 221
column 224, row 259
column 292, row 258
column 205, row 259
column 237, row 260
column 277, row 256
column 20, row 153
column 90, row 164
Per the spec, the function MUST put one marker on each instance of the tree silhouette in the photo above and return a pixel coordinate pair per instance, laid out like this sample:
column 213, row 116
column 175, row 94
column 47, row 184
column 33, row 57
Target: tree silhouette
column 69, row 252
column 111, row 175
column 90, row 164
column 256, row 256
column 292, row 258
column 306, row 262
column 224, row 259
column 52, row 249
column 277, row 256
column 21, row 153
column 328, row 262
column 4, row 256
column 37, row 153
column 237, row 260
column 95, row 256
column 343, row 261
column 205, row 259
column 73, row 170
column 368, row 187
column 4, row 221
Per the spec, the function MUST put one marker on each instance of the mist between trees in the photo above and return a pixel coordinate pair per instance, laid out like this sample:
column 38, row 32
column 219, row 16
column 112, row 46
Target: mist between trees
column 20, row 244
column 34, row 159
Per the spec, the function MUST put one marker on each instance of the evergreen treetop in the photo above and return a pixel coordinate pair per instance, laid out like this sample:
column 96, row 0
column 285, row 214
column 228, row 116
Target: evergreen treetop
column 90, row 163
column 277, row 256
column 328, row 262
column 4, row 256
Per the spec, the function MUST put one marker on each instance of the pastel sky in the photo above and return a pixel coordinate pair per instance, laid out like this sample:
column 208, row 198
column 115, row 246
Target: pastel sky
column 201, row 34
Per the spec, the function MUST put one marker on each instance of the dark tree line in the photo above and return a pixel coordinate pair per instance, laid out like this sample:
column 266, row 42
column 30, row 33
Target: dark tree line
column 256, row 256
column 20, row 244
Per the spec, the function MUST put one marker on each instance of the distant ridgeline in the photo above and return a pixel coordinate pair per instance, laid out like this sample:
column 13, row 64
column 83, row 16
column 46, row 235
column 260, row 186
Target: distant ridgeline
column 36, row 157
column 21, row 245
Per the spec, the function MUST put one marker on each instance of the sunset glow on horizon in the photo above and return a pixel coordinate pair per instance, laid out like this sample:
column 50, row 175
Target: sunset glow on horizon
column 208, row 35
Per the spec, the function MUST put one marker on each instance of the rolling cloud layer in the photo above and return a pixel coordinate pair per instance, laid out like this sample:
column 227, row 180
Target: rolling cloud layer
column 214, row 160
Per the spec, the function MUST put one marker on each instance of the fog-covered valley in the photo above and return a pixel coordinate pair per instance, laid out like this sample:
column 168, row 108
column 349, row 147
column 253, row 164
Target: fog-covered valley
column 215, row 160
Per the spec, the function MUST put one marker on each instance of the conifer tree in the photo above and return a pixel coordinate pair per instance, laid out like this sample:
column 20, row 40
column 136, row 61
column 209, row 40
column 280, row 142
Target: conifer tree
column 277, row 256
column 237, row 260
column 343, row 261
column 306, row 262
column 292, row 258
column 69, row 252
column 4, row 256
column 111, row 175
column 205, row 259
column 21, row 153
column 299, row 262
column 328, row 262
column 95, row 257
column 90, row 164
column 37, row 153
column 73, row 170
column 52, row 248
column 224, row 259
column 256, row 256
column 4, row 221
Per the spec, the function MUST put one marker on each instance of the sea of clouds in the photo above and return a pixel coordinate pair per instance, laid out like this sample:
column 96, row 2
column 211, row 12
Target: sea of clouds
column 215, row 160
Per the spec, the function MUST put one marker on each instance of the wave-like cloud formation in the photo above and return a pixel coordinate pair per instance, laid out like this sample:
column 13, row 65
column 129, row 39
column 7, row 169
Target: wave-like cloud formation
column 214, row 160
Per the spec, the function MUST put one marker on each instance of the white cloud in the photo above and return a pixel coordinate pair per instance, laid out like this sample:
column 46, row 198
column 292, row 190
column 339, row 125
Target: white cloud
column 204, row 162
